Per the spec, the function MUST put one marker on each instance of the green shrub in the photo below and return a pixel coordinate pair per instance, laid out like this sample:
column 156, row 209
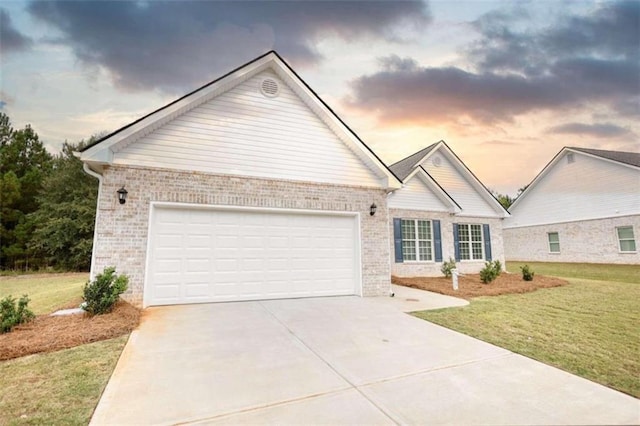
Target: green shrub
column 447, row 267
column 103, row 292
column 491, row 271
column 10, row 315
column 497, row 266
column 527, row 274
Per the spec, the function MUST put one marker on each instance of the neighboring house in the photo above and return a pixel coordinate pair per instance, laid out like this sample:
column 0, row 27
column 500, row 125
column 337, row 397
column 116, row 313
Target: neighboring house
column 442, row 212
column 247, row 188
column 583, row 207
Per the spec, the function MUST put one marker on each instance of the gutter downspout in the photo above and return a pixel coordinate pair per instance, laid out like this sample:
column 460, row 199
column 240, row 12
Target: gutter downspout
column 98, row 176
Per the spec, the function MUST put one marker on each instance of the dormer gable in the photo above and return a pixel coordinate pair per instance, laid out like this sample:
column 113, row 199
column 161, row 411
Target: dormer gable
column 450, row 173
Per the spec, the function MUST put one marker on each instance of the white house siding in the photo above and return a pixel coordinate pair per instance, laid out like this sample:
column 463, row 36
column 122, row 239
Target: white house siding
column 588, row 241
column 122, row 230
column 432, row 269
column 243, row 132
column 415, row 195
column 458, row 187
column 588, row 188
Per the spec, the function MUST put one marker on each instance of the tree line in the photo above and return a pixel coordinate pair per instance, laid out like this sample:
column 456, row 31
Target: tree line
column 47, row 204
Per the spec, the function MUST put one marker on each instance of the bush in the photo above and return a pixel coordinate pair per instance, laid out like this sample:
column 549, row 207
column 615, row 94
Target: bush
column 447, row 267
column 527, row 274
column 10, row 315
column 497, row 266
column 103, row 292
column 491, row 271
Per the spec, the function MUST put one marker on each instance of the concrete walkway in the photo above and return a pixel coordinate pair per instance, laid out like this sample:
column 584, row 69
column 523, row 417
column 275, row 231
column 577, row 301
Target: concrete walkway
column 341, row 360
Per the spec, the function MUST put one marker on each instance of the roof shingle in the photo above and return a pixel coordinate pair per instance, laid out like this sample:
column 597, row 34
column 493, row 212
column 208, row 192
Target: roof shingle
column 404, row 167
column 631, row 158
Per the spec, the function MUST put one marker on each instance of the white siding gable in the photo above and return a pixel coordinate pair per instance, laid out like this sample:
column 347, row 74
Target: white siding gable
column 457, row 186
column 415, row 195
column 587, row 188
column 243, row 132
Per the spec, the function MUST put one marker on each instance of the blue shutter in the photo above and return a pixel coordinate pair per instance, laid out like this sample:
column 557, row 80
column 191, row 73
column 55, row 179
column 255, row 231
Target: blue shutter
column 456, row 242
column 437, row 240
column 487, row 242
column 397, row 239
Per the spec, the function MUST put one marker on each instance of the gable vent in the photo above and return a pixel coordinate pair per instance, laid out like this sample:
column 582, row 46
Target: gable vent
column 437, row 161
column 570, row 158
column 269, row 87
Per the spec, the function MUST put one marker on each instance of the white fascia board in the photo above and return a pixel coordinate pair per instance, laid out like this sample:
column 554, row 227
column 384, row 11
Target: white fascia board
column 161, row 117
column 608, row 160
column 471, row 178
column 433, row 186
column 387, row 179
column 102, row 156
column 559, row 156
column 428, row 154
column 540, row 175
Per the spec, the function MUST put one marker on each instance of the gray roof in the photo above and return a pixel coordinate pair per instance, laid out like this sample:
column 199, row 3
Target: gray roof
column 631, row 158
column 404, row 167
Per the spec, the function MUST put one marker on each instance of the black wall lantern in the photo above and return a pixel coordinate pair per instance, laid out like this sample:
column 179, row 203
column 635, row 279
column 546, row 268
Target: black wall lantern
column 122, row 195
column 372, row 209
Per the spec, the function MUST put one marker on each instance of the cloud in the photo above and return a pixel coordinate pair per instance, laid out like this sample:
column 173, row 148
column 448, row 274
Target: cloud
column 429, row 95
column 172, row 46
column 611, row 31
column 513, row 72
column 499, row 143
column 602, row 130
column 614, row 29
column 11, row 39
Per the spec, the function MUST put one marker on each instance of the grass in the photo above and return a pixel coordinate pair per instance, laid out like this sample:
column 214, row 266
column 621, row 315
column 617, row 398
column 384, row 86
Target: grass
column 589, row 328
column 57, row 388
column 47, row 292
column 589, row 271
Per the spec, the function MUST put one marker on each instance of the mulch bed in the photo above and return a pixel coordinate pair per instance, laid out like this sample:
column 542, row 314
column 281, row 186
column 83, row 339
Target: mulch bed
column 48, row 334
column 470, row 285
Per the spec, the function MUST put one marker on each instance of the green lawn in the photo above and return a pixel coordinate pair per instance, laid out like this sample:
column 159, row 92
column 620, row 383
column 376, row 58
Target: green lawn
column 57, row 388
column 47, row 292
column 589, row 328
column 61, row 387
column 589, row 271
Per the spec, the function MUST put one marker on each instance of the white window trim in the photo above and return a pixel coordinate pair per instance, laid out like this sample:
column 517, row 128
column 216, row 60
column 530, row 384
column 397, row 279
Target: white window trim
column 482, row 259
column 618, row 239
column 549, row 243
column 433, row 254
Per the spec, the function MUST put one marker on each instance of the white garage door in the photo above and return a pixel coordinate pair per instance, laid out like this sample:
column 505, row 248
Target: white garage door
column 203, row 255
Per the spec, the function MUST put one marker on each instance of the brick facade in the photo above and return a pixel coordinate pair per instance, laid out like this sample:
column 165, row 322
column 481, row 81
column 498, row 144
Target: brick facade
column 432, row 269
column 122, row 230
column 587, row 241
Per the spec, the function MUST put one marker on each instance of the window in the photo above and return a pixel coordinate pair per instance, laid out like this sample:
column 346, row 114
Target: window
column 470, row 241
column 417, row 240
column 554, row 242
column 626, row 240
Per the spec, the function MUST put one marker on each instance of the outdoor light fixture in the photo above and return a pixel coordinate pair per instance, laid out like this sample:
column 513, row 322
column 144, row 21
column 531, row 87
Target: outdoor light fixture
column 372, row 209
column 122, row 195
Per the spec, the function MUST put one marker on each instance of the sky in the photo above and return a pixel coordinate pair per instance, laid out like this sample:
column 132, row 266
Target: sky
column 506, row 84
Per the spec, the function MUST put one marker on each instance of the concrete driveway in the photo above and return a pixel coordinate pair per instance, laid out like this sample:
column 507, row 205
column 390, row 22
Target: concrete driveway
column 340, row 360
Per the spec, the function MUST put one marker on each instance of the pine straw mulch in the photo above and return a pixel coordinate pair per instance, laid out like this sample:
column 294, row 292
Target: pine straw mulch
column 470, row 285
column 48, row 334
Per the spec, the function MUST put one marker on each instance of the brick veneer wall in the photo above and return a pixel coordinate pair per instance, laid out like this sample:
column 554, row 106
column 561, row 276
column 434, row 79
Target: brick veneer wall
column 432, row 269
column 588, row 241
column 122, row 229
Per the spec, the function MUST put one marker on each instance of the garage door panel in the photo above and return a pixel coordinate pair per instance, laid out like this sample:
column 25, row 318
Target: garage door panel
column 197, row 289
column 223, row 255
